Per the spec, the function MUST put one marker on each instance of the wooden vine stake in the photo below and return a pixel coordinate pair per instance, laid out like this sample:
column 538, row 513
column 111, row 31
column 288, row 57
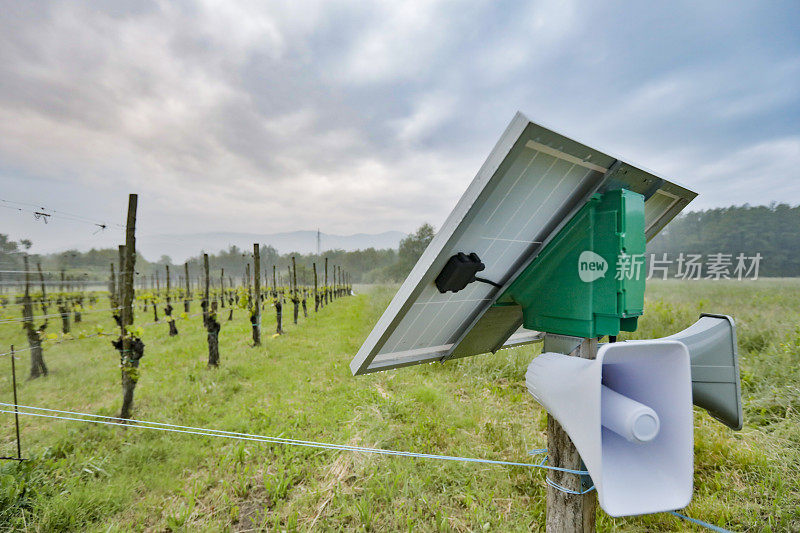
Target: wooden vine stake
column 168, row 309
column 63, row 306
column 112, row 290
column 154, row 297
column 255, row 312
column 325, row 290
column 130, row 346
column 293, row 281
column 38, row 367
column 305, row 296
column 120, row 267
column 316, row 293
column 230, row 293
column 569, row 513
column 44, row 294
column 210, row 321
column 222, row 287
column 188, row 295
column 278, row 304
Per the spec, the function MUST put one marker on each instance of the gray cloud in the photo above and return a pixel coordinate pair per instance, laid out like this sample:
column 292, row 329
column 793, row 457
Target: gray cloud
column 246, row 115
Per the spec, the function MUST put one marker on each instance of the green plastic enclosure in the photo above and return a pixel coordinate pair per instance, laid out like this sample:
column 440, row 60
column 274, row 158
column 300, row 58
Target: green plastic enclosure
column 589, row 280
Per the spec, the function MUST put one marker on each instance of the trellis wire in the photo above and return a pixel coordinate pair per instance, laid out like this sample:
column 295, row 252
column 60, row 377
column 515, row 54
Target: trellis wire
column 56, row 315
column 161, row 426
column 207, row 432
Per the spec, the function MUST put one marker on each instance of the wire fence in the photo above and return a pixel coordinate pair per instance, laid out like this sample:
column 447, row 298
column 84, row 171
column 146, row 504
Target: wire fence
column 56, row 315
column 77, row 416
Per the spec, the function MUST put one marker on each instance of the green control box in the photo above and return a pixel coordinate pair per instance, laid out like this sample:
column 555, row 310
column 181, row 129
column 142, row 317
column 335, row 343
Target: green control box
column 589, row 280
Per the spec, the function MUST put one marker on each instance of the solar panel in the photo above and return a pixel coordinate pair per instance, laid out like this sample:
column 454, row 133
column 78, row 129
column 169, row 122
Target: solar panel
column 532, row 183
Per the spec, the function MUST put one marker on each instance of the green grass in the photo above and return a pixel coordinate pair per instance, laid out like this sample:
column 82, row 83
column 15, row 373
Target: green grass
column 85, row 477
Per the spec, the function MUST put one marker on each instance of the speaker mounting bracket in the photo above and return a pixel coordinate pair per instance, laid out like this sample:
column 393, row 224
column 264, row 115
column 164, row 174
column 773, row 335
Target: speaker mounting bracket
column 565, row 344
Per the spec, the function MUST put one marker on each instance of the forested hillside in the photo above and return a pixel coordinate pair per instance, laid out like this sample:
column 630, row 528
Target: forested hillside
column 772, row 231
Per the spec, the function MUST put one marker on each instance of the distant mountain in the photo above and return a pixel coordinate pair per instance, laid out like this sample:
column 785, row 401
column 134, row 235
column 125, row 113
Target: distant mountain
column 180, row 247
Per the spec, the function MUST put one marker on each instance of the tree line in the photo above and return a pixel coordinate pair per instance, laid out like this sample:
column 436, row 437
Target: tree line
column 365, row 266
column 772, row 231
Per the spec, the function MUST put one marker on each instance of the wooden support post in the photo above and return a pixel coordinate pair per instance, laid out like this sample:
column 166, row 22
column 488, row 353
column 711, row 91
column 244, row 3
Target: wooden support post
column 173, row 330
column 293, row 283
column 112, row 289
column 278, row 304
column 44, row 293
column 210, row 320
column 38, row 367
column 120, row 268
column 222, row 286
column 255, row 317
column 130, row 357
column 63, row 305
column 188, row 295
column 16, row 404
column 155, row 295
column 325, row 290
column 206, row 282
column 316, row 294
column 247, row 284
column 568, row 513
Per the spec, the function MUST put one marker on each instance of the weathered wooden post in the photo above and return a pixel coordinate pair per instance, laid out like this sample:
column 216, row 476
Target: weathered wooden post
column 316, row 294
column 112, row 289
column 168, row 309
column 155, row 296
column 325, row 290
column 188, row 296
column 249, row 288
column 120, row 268
column 44, row 294
column 38, row 367
column 293, row 282
column 568, row 512
column 63, row 305
column 16, row 403
column 255, row 312
column 231, row 295
column 210, row 321
column 222, row 286
column 131, row 347
column 277, row 303
column 333, row 283
column 304, row 294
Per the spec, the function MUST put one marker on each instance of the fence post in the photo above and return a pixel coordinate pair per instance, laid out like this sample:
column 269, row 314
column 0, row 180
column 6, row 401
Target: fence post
column 569, row 513
column 16, row 408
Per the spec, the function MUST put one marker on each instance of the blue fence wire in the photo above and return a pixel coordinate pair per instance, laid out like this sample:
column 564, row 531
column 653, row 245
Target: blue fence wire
column 76, row 416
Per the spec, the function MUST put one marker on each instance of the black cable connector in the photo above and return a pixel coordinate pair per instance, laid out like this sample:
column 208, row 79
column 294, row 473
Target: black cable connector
column 460, row 271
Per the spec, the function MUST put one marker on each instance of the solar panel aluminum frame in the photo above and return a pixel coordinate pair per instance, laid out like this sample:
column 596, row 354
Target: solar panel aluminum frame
column 488, row 329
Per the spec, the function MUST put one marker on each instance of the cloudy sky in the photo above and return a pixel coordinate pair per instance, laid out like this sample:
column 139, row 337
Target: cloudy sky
column 253, row 116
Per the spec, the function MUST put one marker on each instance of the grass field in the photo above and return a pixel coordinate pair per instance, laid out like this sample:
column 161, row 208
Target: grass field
column 85, row 477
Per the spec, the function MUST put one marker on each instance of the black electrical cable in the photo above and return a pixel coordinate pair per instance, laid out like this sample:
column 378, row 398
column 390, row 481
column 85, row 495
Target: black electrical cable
column 484, row 280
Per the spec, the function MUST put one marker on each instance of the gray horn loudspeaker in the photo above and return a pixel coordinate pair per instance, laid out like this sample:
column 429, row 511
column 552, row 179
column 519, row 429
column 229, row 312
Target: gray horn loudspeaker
column 715, row 367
